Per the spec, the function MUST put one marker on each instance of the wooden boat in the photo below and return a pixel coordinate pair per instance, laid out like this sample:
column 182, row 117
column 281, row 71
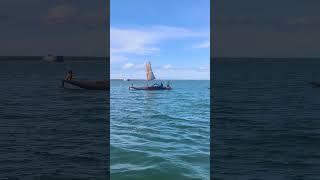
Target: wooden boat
column 150, row 77
column 315, row 83
column 88, row 84
column 151, row 88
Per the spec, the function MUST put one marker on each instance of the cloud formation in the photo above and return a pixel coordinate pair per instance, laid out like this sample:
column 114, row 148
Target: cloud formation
column 144, row 41
column 163, row 72
column 128, row 66
column 205, row 44
column 135, row 44
column 167, row 66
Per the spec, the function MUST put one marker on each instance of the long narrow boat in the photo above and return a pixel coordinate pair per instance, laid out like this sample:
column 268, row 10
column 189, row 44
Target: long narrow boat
column 151, row 88
column 150, row 77
column 87, row 84
column 315, row 83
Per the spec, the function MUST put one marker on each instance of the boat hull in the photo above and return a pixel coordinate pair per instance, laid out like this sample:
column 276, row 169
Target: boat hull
column 86, row 84
column 53, row 58
column 315, row 83
column 149, row 88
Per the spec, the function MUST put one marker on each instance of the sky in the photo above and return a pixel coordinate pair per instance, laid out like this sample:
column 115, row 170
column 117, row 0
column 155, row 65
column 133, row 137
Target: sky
column 266, row 28
column 173, row 35
column 61, row 27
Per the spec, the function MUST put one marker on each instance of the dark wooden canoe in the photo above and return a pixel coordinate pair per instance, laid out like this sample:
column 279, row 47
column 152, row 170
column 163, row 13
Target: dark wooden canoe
column 88, row 84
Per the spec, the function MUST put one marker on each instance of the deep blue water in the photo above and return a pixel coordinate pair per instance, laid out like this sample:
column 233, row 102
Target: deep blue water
column 160, row 134
column 266, row 120
column 49, row 132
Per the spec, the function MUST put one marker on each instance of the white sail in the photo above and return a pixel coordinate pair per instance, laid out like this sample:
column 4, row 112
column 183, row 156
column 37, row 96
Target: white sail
column 150, row 75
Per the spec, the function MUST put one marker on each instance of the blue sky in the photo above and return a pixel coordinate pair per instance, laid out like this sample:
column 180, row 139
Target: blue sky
column 173, row 35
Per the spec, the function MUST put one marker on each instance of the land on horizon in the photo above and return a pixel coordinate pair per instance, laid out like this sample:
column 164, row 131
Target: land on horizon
column 117, row 79
column 263, row 58
column 37, row 58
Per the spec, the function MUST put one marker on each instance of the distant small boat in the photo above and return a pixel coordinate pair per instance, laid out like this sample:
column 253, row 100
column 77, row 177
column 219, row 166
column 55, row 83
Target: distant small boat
column 52, row 58
column 126, row 79
column 87, row 84
column 150, row 77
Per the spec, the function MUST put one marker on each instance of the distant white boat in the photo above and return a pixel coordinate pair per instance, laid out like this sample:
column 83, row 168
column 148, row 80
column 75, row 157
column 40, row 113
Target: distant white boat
column 52, row 58
column 125, row 79
column 49, row 58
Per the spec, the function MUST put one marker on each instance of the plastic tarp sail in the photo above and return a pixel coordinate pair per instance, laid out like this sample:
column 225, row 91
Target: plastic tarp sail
column 149, row 73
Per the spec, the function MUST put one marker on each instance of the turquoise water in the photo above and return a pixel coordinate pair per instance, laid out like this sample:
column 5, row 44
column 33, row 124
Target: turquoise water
column 160, row 134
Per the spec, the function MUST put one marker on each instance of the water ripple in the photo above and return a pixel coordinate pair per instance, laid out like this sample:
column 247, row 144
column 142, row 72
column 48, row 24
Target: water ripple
column 160, row 134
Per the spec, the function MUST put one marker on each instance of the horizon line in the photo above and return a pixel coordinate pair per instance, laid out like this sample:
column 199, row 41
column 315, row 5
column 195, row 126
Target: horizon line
column 163, row 79
column 252, row 57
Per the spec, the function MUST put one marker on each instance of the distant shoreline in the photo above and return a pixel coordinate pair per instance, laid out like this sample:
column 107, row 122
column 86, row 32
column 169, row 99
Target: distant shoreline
column 163, row 80
column 262, row 58
column 39, row 58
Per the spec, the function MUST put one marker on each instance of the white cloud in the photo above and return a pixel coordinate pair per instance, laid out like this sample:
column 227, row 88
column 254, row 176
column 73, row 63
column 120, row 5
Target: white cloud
column 204, row 67
column 131, row 43
column 168, row 66
column 144, row 40
column 205, row 44
column 140, row 66
column 163, row 72
column 128, row 66
column 118, row 58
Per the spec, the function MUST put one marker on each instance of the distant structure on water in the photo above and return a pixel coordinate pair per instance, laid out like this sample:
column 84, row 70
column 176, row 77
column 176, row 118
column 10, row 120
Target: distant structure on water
column 52, row 58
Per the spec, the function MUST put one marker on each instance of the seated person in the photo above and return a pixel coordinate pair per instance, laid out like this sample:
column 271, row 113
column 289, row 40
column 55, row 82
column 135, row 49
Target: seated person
column 69, row 75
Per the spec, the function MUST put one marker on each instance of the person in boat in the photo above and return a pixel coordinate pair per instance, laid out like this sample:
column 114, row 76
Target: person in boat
column 69, row 75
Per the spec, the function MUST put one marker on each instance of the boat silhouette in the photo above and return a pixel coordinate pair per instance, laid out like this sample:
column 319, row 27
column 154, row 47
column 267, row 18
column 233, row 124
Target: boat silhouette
column 51, row 58
column 315, row 83
column 87, row 84
column 150, row 77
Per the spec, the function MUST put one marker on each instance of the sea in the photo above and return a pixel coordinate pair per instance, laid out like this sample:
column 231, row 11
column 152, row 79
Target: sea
column 266, row 119
column 160, row 134
column 265, row 123
column 48, row 132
